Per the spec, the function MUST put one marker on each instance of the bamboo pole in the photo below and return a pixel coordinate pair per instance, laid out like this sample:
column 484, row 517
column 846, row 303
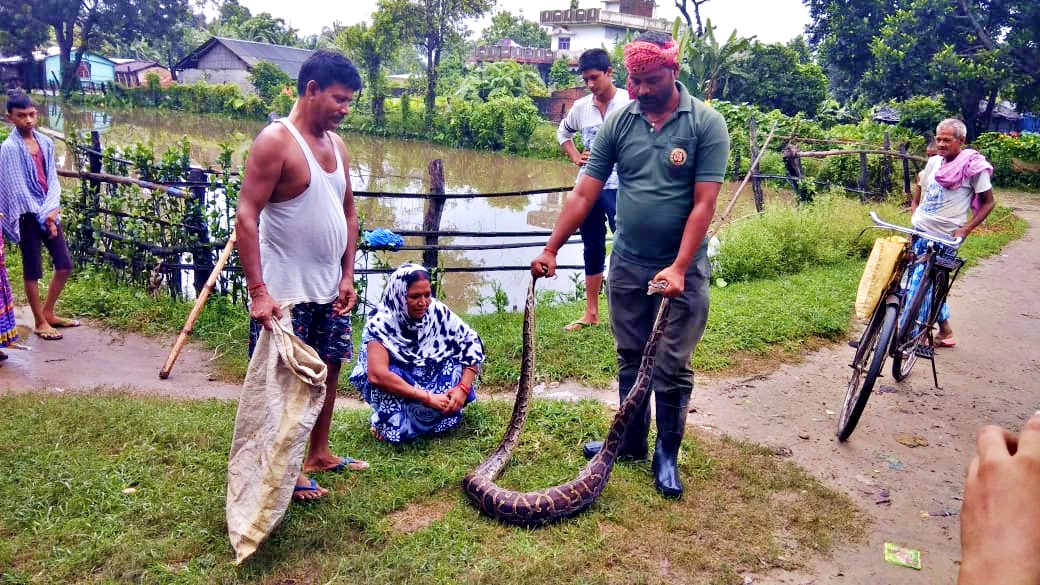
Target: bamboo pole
column 176, row 192
column 825, row 153
column 196, row 309
column 747, row 177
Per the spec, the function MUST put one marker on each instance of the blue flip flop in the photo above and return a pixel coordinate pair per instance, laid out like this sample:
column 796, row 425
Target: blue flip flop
column 312, row 487
column 344, row 465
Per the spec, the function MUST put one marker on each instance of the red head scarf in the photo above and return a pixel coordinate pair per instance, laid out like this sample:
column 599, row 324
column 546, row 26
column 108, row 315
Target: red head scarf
column 643, row 56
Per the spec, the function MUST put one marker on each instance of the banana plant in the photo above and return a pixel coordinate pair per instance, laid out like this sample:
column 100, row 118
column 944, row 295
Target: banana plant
column 704, row 62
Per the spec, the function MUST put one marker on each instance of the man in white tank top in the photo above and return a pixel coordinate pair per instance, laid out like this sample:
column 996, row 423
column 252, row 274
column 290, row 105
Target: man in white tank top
column 297, row 234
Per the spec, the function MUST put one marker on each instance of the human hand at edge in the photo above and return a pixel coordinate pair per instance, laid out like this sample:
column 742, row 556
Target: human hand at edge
column 263, row 308
column 1000, row 518
column 347, row 299
column 676, row 281
column 544, row 264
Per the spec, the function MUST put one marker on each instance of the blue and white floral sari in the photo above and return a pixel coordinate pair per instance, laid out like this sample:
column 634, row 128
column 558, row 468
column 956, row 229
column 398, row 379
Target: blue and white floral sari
column 429, row 353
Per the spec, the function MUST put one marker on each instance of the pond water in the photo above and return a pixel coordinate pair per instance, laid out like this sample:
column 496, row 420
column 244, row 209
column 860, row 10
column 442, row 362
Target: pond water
column 397, row 166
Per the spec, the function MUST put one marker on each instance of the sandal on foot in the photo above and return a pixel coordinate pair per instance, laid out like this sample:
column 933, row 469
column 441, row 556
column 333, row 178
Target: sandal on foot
column 65, row 322
column 305, row 493
column 577, row 325
column 348, row 464
column 946, row 342
column 50, row 334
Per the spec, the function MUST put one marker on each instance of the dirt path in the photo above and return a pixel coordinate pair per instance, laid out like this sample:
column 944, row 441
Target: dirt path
column 992, row 376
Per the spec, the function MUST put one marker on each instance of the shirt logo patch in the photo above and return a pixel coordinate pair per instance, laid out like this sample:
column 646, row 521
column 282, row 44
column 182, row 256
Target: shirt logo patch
column 678, row 157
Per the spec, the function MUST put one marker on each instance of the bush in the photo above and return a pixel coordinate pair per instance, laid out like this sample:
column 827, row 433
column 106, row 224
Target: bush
column 1016, row 160
column 921, row 114
column 787, row 240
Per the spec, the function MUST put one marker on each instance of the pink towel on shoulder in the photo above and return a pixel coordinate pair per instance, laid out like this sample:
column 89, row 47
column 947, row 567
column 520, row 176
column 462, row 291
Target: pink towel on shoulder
column 968, row 163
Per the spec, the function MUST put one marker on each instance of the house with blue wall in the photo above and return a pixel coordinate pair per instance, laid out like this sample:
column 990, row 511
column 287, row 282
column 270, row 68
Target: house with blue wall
column 93, row 69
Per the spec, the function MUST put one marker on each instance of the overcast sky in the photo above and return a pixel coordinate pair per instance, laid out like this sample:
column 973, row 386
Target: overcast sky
column 769, row 20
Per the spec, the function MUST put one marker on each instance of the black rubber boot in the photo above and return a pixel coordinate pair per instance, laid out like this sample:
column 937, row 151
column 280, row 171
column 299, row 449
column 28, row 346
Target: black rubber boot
column 634, row 444
column 671, row 425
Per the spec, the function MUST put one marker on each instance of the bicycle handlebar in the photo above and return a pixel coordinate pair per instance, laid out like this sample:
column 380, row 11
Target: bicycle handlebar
column 956, row 242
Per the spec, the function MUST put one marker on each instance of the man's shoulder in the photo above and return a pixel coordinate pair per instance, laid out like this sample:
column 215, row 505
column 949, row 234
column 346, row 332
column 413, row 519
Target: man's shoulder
column 272, row 136
column 621, row 97
column 583, row 102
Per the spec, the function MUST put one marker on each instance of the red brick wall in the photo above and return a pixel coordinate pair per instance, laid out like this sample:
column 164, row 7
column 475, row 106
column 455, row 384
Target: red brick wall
column 556, row 106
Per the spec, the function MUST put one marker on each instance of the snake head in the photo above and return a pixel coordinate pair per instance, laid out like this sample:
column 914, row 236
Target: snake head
column 656, row 287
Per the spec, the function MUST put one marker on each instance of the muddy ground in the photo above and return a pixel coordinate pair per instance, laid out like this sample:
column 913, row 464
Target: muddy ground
column 991, row 376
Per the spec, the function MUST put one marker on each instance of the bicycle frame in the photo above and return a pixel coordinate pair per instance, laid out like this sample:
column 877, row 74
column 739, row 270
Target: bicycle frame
column 941, row 269
column 937, row 266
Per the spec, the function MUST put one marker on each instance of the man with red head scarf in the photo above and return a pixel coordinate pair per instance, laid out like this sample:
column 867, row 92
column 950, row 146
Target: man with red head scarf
column 671, row 152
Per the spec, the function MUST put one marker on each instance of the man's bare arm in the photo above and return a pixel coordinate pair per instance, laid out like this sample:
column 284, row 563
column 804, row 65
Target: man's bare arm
column 347, row 297
column 575, row 209
column 262, row 175
column 705, row 195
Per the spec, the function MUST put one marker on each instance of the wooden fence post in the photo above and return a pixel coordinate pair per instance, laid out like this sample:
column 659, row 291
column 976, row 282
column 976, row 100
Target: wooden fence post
column 906, row 172
column 201, row 254
column 756, row 183
column 91, row 199
column 793, row 164
column 886, row 179
column 862, row 176
column 432, row 217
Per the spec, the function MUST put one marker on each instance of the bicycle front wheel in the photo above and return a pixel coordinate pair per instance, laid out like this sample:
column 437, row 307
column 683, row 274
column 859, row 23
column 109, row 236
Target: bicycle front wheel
column 910, row 335
column 867, row 365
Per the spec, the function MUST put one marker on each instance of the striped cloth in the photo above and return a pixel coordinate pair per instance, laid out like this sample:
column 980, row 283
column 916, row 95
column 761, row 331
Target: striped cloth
column 7, row 319
column 20, row 191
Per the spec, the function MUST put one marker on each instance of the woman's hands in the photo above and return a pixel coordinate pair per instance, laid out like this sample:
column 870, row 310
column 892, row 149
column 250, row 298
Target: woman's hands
column 448, row 403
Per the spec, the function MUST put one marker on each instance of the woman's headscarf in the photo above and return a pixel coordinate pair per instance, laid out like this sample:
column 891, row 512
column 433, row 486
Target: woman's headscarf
column 439, row 335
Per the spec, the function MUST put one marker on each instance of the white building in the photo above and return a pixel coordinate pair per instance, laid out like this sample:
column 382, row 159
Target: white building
column 577, row 30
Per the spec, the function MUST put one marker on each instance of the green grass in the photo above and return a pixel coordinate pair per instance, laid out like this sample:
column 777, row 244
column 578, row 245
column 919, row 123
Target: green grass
column 64, row 516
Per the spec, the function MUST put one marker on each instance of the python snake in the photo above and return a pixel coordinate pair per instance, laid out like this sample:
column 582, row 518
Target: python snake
column 555, row 503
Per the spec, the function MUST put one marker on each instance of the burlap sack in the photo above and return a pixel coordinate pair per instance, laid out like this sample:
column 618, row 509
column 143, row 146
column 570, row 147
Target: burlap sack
column 877, row 273
column 281, row 398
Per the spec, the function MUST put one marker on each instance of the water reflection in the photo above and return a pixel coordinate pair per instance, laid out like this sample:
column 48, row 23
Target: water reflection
column 399, row 166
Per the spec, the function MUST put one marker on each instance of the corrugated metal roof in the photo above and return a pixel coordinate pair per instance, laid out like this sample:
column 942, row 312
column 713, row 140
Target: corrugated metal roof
column 288, row 59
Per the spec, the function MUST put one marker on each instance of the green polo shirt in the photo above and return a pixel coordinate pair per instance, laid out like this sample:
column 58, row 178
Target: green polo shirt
column 657, row 172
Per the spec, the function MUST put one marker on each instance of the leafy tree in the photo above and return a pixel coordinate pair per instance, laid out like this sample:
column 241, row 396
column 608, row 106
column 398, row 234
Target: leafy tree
column 1010, row 27
column 776, row 76
column 265, row 28
column 921, row 114
column 928, row 48
column 233, row 14
column 525, row 32
column 372, row 45
column 501, row 79
column 839, row 30
column 560, row 75
column 440, row 23
column 706, row 63
column 269, row 80
column 88, row 24
column 20, row 32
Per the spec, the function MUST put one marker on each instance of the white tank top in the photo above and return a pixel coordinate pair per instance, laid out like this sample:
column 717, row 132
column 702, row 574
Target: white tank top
column 302, row 240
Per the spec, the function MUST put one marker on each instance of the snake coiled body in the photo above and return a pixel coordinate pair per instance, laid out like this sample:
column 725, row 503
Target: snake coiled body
column 562, row 501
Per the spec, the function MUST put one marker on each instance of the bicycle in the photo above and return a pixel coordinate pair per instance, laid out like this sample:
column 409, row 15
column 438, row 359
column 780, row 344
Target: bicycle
column 901, row 327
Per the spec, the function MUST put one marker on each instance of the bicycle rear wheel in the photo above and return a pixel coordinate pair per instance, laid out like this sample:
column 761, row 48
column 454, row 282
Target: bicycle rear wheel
column 869, row 360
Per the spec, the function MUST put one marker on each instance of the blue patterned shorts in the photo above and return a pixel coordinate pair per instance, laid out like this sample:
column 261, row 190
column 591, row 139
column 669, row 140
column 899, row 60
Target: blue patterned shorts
column 319, row 327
